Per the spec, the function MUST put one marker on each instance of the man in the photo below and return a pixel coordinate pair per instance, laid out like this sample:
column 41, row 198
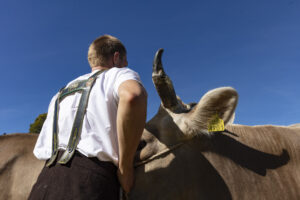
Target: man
column 111, row 128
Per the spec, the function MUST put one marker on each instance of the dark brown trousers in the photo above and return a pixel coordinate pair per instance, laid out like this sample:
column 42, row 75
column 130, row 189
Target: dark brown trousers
column 81, row 179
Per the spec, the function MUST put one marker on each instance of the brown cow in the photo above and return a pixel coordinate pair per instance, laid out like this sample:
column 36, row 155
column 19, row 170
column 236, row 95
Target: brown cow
column 19, row 169
column 179, row 159
column 243, row 162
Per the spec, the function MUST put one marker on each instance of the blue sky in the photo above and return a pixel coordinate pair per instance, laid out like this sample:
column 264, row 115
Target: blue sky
column 253, row 46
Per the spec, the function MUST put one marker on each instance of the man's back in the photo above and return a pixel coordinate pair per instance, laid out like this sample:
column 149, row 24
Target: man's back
column 111, row 126
column 99, row 132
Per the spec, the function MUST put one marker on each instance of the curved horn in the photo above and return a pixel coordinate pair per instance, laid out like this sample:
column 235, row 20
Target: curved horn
column 163, row 84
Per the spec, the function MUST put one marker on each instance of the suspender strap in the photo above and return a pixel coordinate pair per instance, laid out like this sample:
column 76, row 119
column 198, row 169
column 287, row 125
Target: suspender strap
column 85, row 87
column 54, row 133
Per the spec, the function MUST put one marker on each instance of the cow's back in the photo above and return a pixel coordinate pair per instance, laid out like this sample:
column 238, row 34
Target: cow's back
column 18, row 166
column 243, row 162
column 259, row 162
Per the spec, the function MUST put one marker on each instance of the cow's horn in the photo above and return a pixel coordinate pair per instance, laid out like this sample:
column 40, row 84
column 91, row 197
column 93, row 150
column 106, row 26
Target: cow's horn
column 163, row 84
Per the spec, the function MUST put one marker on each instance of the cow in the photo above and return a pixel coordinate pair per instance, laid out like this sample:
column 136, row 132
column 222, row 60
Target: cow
column 180, row 158
column 19, row 168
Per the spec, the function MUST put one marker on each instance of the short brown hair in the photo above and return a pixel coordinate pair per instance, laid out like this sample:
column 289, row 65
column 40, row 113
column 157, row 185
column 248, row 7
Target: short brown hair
column 104, row 48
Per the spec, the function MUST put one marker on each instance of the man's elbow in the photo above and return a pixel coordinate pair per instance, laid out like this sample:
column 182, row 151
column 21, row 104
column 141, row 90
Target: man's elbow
column 136, row 97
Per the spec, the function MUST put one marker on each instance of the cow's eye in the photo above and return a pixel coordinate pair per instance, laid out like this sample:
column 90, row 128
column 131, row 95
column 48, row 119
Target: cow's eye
column 192, row 105
column 142, row 144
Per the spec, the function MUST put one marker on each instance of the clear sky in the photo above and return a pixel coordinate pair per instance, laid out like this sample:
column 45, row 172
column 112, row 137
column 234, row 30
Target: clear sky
column 251, row 45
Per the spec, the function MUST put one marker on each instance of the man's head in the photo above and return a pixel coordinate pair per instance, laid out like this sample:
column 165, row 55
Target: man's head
column 107, row 51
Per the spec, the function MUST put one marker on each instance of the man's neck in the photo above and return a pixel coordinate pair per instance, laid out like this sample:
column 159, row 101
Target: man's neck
column 100, row 68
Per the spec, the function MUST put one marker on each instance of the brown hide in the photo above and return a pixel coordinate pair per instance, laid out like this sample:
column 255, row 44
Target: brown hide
column 243, row 162
column 19, row 168
column 260, row 162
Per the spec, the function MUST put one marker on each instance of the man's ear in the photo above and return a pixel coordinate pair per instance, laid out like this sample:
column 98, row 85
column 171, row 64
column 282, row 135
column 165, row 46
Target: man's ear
column 116, row 58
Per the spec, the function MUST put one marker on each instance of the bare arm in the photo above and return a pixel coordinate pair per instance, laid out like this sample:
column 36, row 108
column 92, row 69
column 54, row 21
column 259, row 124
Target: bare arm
column 131, row 119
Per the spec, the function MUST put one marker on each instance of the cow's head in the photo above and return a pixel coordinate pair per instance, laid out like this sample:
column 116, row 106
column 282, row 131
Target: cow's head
column 176, row 121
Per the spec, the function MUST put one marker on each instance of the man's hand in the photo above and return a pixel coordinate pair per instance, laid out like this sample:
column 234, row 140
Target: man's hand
column 131, row 119
column 126, row 179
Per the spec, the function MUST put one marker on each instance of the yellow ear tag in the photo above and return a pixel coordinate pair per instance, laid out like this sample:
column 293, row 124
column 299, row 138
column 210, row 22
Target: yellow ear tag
column 216, row 124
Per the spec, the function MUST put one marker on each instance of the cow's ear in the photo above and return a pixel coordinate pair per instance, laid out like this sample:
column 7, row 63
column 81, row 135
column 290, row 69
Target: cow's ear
column 216, row 104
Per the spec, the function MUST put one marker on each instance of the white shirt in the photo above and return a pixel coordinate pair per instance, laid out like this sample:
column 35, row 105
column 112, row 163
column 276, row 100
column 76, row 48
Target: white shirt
column 99, row 129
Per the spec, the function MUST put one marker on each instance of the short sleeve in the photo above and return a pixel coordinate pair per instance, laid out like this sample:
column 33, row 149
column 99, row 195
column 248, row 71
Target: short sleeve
column 42, row 149
column 124, row 75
